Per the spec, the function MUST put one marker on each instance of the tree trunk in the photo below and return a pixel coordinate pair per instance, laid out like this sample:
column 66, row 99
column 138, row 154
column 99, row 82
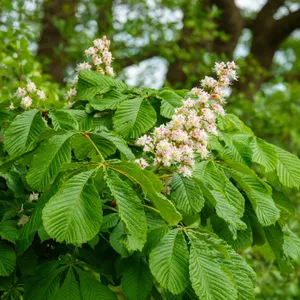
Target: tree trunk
column 52, row 42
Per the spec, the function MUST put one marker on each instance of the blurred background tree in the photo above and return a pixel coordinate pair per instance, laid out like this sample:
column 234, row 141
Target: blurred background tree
column 175, row 43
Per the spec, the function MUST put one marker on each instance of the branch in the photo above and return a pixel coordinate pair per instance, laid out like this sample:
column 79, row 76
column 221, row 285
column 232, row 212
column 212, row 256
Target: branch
column 232, row 23
column 265, row 16
column 283, row 27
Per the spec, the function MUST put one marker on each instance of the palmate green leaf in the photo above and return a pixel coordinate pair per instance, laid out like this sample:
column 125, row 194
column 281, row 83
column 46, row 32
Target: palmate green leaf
column 69, row 290
column 48, row 161
column 244, row 276
column 9, row 231
column 84, row 120
column 170, row 101
column 22, row 133
column 45, row 283
column 226, row 198
column 83, row 148
column 134, row 117
column 7, row 259
column 130, row 209
column 151, row 186
column 186, row 194
column 231, row 122
column 209, row 279
column 35, row 222
column 258, row 192
column 288, row 168
column 275, row 238
column 109, row 100
column 148, row 181
column 14, row 182
column 110, row 220
column 285, row 206
column 137, row 280
column 239, row 150
column 291, row 245
column 92, row 83
column 264, row 154
column 91, row 289
column 117, row 240
column 243, row 239
column 74, row 214
column 168, row 262
column 61, row 119
column 118, row 142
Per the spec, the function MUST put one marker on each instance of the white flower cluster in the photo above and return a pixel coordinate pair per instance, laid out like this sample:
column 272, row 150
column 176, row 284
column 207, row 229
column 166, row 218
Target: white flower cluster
column 101, row 59
column 33, row 197
column 179, row 141
column 27, row 94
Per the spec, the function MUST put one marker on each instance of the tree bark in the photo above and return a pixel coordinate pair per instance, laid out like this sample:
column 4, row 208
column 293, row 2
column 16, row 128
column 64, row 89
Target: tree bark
column 52, row 42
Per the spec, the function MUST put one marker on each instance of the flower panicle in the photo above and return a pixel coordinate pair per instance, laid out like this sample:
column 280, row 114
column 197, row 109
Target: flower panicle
column 27, row 94
column 100, row 60
column 182, row 140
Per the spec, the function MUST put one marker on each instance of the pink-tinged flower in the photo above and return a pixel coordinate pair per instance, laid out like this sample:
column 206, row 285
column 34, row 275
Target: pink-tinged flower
column 142, row 163
column 185, row 171
column 189, row 103
column 208, row 82
column 90, row 51
column 23, row 220
column 69, row 104
column 74, row 81
column 144, row 140
column 33, row 197
column 203, row 151
column 211, row 129
column 26, row 102
column 11, row 106
column 83, row 66
column 99, row 44
column 109, row 71
column 21, row 92
column 218, row 109
column 41, row 94
column 219, row 67
column 97, row 60
column 31, row 87
column 232, row 65
column 208, row 115
column 70, row 93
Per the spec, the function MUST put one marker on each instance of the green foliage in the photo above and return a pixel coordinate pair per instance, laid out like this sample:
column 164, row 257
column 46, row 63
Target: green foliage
column 103, row 227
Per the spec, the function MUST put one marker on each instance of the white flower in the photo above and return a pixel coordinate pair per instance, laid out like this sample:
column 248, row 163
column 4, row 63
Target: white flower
column 110, row 71
column 11, row 106
column 185, row 171
column 74, row 81
column 30, row 87
column 144, row 140
column 83, row 66
column 21, row 92
column 33, row 197
column 97, row 60
column 23, row 220
column 69, row 104
column 142, row 163
column 70, row 93
column 41, row 94
column 26, row 102
column 90, row 51
column 99, row 44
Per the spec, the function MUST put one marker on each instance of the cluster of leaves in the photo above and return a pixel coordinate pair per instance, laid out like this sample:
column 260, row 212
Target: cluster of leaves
column 103, row 227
